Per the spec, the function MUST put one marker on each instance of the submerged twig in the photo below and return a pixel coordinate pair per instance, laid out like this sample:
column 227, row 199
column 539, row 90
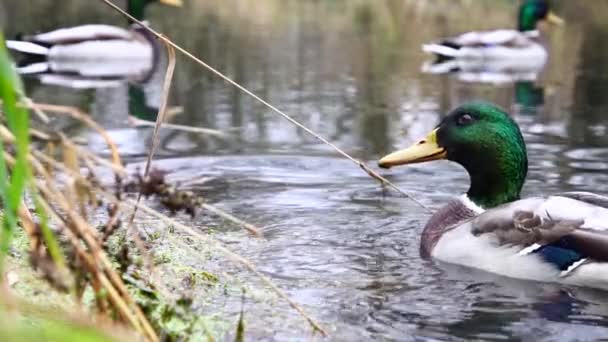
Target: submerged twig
column 201, row 130
column 251, row 228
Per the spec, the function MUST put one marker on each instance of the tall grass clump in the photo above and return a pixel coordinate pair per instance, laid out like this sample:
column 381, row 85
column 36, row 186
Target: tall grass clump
column 25, row 202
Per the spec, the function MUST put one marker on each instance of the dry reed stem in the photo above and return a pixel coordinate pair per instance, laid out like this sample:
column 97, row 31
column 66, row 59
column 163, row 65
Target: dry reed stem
column 360, row 163
column 89, row 263
column 160, row 118
column 41, row 115
column 88, row 155
column 91, row 266
column 28, row 224
column 77, row 114
column 39, row 134
column 162, row 111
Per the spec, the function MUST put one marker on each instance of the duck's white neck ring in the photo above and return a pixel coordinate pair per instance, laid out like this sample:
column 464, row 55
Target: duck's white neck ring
column 470, row 204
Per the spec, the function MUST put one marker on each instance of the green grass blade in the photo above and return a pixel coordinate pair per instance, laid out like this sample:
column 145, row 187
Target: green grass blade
column 18, row 122
column 12, row 188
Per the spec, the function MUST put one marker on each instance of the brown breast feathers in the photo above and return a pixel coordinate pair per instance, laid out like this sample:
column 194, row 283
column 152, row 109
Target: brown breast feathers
column 449, row 216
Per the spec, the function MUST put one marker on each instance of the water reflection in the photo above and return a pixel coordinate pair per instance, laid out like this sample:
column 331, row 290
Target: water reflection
column 529, row 97
column 351, row 71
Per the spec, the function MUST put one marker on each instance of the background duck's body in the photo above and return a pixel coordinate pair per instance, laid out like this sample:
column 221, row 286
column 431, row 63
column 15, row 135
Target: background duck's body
column 87, row 54
column 91, row 56
column 490, row 46
column 499, row 55
column 561, row 238
column 522, row 59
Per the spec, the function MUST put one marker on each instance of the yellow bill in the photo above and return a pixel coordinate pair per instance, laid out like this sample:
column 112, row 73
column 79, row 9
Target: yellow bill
column 176, row 3
column 552, row 18
column 424, row 150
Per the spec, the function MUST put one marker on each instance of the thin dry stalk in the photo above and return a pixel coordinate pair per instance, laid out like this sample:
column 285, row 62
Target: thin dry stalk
column 250, row 228
column 361, row 164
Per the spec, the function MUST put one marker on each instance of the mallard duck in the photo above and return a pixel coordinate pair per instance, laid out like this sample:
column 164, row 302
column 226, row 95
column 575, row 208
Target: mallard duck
column 94, row 55
column 514, row 52
column 561, row 238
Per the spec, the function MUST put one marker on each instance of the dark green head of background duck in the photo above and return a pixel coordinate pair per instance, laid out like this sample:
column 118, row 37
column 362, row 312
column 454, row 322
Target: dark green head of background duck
column 531, row 12
column 529, row 96
column 483, row 139
column 137, row 7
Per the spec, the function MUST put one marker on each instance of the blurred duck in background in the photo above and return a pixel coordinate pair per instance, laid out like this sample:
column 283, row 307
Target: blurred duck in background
column 103, row 58
column 499, row 56
column 94, row 55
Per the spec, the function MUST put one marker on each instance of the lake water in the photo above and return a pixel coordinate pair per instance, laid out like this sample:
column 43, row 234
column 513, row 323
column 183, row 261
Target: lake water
column 340, row 245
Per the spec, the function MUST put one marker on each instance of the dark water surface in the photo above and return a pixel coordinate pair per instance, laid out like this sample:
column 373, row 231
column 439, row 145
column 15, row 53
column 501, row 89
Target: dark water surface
column 350, row 70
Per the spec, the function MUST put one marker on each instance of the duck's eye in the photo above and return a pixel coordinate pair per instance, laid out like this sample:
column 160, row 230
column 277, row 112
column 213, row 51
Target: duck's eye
column 464, row 119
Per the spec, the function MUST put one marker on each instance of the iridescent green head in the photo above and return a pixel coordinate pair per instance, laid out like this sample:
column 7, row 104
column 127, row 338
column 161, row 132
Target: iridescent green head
column 483, row 139
column 136, row 8
column 531, row 12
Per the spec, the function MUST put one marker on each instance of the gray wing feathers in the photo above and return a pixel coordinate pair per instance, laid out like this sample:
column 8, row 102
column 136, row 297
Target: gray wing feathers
column 587, row 197
column 82, row 33
column 525, row 228
column 545, row 220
